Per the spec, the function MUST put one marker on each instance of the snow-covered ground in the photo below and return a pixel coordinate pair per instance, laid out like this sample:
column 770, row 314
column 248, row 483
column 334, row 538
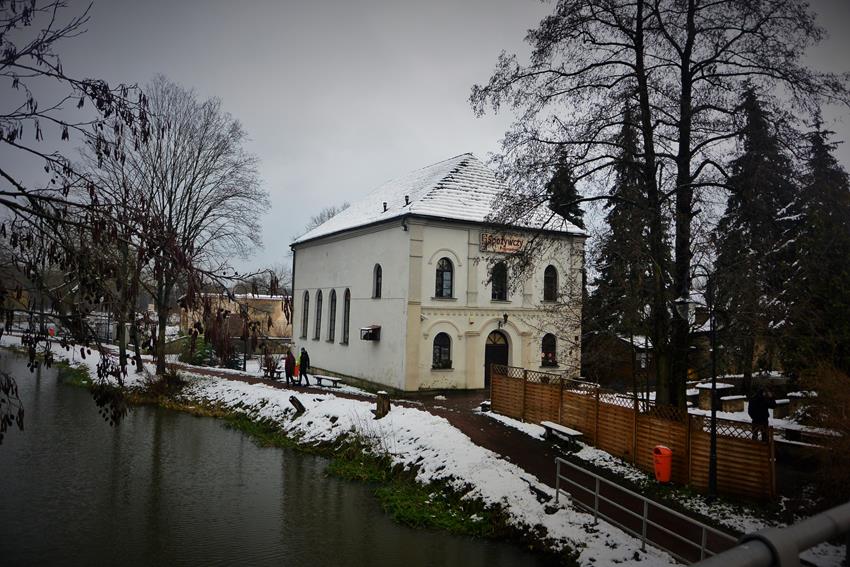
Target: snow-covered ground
column 733, row 516
column 417, row 439
column 440, row 452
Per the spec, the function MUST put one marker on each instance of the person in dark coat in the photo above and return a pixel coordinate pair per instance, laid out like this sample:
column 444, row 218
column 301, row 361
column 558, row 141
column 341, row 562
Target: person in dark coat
column 758, row 410
column 304, row 366
column 289, row 367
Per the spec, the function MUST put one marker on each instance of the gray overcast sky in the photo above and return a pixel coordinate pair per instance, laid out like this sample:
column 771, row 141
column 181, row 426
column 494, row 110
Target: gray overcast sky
column 339, row 96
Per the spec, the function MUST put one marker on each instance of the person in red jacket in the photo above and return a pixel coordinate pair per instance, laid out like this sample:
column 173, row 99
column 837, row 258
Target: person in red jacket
column 289, row 367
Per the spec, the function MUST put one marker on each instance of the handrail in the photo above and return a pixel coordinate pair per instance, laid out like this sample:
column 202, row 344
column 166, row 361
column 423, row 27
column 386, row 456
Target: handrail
column 705, row 530
column 781, row 547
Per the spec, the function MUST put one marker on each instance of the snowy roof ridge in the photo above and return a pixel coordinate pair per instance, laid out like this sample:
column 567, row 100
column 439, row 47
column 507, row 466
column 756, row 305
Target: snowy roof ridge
column 458, row 188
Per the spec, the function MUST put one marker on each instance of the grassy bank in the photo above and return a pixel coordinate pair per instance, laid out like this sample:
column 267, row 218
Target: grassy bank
column 434, row 506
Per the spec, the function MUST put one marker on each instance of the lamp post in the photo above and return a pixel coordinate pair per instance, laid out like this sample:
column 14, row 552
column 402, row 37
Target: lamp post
column 683, row 310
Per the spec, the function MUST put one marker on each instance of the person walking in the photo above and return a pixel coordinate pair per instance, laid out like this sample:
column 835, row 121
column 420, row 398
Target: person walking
column 758, row 410
column 289, row 367
column 304, row 364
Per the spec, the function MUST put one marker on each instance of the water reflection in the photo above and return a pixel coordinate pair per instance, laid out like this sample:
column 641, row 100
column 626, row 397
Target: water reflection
column 166, row 488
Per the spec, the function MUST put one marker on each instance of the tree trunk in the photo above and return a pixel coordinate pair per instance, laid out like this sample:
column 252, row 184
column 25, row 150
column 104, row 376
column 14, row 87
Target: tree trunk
column 659, row 314
column 163, row 293
column 684, row 216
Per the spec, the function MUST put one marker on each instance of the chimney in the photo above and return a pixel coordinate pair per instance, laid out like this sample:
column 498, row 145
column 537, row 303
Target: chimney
column 406, row 200
column 385, row 206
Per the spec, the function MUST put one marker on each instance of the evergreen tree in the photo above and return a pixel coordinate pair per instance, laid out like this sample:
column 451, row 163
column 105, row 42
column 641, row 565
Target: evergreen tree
column 817, row 330
column 620, row 302
column 563, row 195
column 752, row 265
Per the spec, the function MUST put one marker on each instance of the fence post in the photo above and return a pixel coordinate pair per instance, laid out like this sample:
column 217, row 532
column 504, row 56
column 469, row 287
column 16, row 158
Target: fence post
column 645, row 514
column 771, row 462
column 524, row 387
column 634, row 427
column 557, row 479
column 689, row 449
column 596, row 502
column 560, row 401
column 596, row 416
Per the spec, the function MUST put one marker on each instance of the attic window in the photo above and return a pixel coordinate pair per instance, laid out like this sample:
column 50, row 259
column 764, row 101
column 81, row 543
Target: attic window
column 370, row 333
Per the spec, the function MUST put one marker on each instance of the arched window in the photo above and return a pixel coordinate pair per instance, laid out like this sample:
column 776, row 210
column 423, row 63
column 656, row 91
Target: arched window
column 305, row 314
column 442, row 351
column 550, row 283
column 499, row 282
column 332, row 316
column 317, row 333
column 445, row 273
column 548, row 346
column 377, row 278
column 346, row 313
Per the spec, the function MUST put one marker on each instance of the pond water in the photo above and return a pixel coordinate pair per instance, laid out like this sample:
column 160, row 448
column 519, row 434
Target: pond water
column 167, row 488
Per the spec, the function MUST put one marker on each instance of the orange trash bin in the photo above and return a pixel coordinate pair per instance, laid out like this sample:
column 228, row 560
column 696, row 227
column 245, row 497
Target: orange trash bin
column 663, row 459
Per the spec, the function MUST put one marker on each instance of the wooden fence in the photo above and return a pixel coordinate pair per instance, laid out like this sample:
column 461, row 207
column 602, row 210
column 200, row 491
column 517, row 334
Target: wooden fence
column 629, row 428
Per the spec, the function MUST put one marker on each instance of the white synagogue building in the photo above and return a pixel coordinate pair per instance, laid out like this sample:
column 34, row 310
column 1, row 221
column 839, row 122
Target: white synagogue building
column 407, row 288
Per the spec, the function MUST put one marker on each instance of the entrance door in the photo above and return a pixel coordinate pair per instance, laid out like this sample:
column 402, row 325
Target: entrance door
column 495, row 352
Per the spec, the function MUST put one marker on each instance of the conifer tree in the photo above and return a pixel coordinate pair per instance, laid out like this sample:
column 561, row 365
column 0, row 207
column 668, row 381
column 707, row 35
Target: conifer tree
column 623, row 288
column 817, row 330
column 752, row 265
column 563, row 196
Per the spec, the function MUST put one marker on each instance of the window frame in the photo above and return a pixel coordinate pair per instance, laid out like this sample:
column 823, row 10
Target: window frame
column 444, row 267
column 332, row 316
column 317, row 332
column 441, row 359
column 549, row 358
column 377, row 281
column 305, row 314
column 346, row 316
column 499, row 292
column 550, row 284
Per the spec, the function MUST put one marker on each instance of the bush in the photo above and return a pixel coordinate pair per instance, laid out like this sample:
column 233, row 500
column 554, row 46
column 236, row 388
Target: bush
column 199, row 354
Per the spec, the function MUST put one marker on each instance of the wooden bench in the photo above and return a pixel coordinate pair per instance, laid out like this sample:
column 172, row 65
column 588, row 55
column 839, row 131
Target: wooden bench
column 273, row 374
column 557, row 430
column 334, row 382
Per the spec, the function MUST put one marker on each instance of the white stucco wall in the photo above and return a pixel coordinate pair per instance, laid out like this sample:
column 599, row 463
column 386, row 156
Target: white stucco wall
column 471, row 314
column 348, row 262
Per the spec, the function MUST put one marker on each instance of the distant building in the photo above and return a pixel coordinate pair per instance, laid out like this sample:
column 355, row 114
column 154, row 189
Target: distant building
column 268, row 310
column 617, row 361
column 394, row 289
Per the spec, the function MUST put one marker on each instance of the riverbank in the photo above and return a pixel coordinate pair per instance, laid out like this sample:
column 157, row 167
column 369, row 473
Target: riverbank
column 426, row 472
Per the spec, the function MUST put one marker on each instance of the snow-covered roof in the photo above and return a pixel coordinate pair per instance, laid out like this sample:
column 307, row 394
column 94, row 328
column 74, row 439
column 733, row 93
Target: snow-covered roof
column 459, row 188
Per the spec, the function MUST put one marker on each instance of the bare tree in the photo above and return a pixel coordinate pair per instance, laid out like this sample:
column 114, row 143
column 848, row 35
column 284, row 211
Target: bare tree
column 203, row 193
column 682, row 63
column 325, row 215
column 36, row 207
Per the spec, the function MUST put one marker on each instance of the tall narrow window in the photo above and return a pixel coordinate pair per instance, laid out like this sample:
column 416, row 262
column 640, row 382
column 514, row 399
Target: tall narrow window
column 445, row 273
column 550, row 283
column 442, row 352
column 548, row 346
column 305, row 314
column 317, row 333
column 332, row 316
column 346, row 314
column 377, row 281
column 499, row 282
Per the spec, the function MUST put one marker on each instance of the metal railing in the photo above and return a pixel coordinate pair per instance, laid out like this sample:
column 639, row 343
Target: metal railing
column 781, row 547
column 646, row 523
